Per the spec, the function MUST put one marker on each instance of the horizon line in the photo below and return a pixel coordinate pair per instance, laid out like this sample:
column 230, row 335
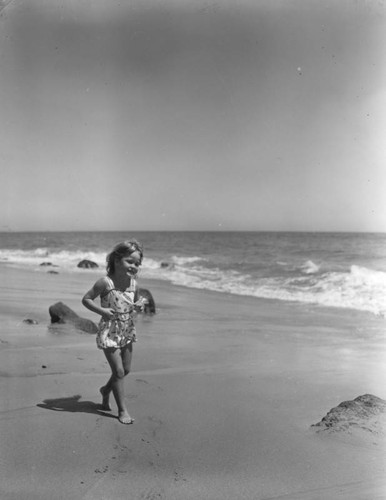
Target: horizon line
column 324, row 231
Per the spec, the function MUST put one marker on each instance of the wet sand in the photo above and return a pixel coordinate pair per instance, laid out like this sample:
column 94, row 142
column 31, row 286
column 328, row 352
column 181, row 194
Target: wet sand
column 223, row 390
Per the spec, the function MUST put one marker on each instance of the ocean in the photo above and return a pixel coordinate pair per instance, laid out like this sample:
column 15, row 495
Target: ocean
column 344, row 270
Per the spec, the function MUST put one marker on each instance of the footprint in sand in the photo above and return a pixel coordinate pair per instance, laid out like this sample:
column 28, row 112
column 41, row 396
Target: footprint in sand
column 141, row 380
column 152, row 494
column 103, row 470
column 179, row 475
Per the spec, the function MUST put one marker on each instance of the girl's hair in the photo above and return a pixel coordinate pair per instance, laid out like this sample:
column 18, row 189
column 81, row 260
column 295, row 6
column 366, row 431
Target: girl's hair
column 122, row 250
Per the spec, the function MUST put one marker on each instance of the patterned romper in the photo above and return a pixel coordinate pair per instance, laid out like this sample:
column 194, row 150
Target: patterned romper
column 119, row 331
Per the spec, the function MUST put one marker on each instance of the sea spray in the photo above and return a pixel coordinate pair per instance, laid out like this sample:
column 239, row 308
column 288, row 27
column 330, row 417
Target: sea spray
column 334, row 270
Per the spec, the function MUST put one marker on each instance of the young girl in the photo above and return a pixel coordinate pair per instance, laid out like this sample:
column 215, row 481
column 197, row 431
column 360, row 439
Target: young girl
column 116, row 331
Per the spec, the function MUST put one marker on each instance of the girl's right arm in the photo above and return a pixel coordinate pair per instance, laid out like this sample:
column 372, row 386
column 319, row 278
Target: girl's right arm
column 99, row 288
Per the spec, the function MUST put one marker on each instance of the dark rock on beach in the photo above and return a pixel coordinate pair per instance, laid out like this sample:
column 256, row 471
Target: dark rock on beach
column 60, row 313
column 150, row 304
column 30, row 321
column 365, row 413
column 87, row 264
column 166, row 265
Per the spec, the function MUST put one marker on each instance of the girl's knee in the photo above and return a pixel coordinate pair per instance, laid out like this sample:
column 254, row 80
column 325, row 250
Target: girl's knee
column 126, row 371
column 120, row 373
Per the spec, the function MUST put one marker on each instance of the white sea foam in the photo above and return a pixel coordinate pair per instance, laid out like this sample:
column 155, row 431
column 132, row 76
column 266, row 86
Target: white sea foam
column 185, row 260
column 151, row 264
column 357, row 288
column 360, row 288
column 65, row 259
column 310, row 267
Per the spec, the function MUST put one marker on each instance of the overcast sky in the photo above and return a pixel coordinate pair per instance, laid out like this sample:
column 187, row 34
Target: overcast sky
column 192, row 114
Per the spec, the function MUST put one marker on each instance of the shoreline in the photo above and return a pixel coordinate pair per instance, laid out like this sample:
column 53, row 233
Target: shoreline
column 84, row 278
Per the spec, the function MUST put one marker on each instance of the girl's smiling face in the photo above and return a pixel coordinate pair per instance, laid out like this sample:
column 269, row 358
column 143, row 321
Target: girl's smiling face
column 129, row 264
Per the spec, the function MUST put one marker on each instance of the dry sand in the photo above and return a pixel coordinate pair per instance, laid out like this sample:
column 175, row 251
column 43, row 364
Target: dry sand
column 224, row 390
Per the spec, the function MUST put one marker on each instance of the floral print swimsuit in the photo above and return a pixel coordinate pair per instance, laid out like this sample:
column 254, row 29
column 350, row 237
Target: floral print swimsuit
column 119, row 331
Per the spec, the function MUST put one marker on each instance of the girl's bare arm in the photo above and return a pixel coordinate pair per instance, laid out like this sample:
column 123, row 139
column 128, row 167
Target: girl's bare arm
column 88, row 299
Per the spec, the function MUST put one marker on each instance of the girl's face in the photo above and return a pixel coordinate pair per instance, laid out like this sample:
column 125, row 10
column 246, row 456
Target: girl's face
column 129, row 264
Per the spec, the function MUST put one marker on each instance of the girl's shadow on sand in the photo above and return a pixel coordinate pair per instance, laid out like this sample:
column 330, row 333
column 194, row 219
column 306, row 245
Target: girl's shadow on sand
column 74, row 405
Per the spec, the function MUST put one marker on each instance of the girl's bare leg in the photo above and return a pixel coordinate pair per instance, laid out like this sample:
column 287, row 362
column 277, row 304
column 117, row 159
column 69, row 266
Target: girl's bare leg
column 127, row 355
column 106, row 391
column 120, row 363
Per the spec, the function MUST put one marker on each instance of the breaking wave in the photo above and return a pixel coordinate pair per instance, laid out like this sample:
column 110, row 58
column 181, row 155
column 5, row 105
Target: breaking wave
column 356, row 287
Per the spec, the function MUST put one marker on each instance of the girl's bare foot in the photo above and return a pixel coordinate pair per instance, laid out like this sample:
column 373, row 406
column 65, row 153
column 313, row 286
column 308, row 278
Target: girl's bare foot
column 105, row 399
column 125, row 418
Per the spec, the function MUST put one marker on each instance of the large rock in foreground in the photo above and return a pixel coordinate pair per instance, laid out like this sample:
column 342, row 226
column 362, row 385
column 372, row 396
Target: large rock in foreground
column 365, row 413
column 60, row 313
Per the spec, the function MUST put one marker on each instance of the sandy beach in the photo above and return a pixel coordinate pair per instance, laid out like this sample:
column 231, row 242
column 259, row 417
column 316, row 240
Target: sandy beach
column 223, row 390
column 242, row 144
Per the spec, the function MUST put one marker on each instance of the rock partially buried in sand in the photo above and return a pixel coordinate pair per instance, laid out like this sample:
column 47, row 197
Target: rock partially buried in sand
column 150, row 304
column 60, row 313
column 30, row 321
column 365, row 413
column 167, row 265
column 87, row 264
